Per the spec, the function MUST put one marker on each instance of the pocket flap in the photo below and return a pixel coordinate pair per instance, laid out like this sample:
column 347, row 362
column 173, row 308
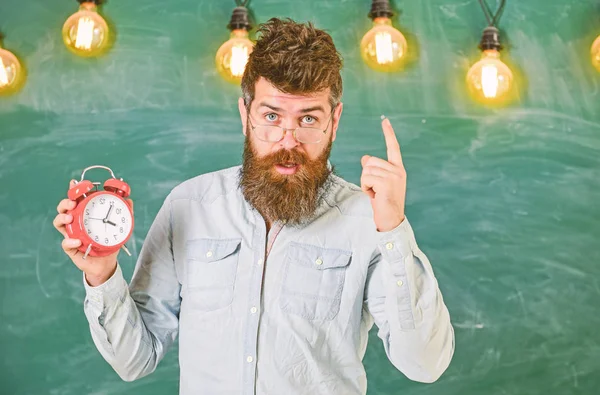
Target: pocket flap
column 211, row 250
column 317, row 257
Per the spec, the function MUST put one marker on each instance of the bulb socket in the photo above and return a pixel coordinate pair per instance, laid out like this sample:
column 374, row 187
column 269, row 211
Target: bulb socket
column 490, row 39
column 380, row 8
column 239, row 19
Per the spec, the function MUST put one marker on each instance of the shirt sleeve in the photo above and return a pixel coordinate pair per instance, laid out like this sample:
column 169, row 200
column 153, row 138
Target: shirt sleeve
column 403, row 297
column 134, row 326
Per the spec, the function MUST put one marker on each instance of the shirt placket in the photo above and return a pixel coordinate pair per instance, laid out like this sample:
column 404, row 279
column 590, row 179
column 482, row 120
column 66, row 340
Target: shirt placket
column 254, row 298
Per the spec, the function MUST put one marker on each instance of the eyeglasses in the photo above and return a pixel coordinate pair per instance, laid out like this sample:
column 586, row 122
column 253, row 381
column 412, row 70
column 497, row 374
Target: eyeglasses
column 304, row 135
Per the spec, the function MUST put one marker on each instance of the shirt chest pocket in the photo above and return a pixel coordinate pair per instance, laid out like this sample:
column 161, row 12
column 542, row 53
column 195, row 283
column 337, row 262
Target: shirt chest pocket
column 211, row 272
column 313, row 280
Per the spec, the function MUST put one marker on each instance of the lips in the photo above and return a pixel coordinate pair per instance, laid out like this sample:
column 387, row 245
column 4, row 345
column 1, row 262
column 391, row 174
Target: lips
column 287, row 168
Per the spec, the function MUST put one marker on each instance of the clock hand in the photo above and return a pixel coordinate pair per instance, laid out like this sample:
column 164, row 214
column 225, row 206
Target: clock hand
column 112, row 223
column 108, row 213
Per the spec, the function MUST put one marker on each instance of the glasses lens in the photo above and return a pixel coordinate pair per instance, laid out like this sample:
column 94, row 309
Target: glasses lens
column 274, row 134
column 309, row 135
column 271, row 134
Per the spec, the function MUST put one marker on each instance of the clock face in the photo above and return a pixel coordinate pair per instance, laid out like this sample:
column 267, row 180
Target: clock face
column 107, row 219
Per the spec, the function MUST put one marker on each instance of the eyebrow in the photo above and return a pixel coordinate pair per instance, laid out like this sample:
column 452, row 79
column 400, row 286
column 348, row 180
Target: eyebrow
column 276, row 109
column 313, row 108
column 304, row 110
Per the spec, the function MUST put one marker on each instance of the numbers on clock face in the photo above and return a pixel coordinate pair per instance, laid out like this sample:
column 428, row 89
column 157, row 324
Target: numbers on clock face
column 107, row 219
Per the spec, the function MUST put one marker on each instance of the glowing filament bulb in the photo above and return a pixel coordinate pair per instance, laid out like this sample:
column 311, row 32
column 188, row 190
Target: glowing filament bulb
column 239, row 58
column 383, row 47
column 3, row 74
column 489, row 80
column 233, row 55
column 596, row 53
column 85, row 33
column 12, row 75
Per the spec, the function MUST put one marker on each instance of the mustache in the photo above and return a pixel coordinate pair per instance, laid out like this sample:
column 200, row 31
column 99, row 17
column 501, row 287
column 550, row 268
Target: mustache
column 284, row 155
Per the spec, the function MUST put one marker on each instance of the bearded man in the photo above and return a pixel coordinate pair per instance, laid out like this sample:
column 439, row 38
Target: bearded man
column 272, row 273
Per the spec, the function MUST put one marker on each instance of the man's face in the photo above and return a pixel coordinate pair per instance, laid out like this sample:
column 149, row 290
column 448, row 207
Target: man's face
column 282, row 179
column 273, row 107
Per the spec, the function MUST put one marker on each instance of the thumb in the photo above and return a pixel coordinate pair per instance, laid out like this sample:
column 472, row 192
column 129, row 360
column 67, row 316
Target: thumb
column 364, row 159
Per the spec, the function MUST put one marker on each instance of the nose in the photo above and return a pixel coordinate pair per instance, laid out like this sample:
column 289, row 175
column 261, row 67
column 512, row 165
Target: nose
column 289, row 141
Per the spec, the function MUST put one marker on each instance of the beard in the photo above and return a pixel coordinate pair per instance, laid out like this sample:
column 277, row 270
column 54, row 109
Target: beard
column 292, row 198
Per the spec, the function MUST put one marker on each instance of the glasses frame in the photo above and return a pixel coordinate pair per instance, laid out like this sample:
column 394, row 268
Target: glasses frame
column 285, row 130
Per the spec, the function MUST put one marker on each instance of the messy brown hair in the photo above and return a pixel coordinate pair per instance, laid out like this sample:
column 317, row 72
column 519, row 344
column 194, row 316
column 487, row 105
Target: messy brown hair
column 296, row 58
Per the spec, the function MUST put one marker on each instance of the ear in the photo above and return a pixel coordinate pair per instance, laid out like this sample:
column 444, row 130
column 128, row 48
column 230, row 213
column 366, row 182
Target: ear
column 337, row 113
column 243, row 114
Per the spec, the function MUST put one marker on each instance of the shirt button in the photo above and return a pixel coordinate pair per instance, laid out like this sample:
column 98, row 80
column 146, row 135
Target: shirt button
column 319, row 261
column 249, row 359
column 253, row 310
column 209, row 254
column 260, row 262
column 400, row 283
column 389, row 246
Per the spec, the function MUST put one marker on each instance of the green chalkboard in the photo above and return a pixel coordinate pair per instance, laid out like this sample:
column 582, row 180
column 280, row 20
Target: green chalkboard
column 505, row 202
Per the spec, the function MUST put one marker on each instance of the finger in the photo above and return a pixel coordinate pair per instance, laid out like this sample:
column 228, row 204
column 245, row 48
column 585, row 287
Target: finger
column 65, row 205
column 72, row 183
column 364, row 160
column 366, row 188
column 378, row 162
column 368, row 181
column 70, row 246
column 60, row 221
column 377, row 171
column 391, row 142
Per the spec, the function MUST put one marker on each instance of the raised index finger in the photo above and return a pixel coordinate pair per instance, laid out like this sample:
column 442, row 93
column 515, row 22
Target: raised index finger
column 393, row 148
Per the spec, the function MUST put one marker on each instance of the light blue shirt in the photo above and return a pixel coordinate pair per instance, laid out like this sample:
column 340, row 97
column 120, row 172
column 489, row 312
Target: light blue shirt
column 293, row 322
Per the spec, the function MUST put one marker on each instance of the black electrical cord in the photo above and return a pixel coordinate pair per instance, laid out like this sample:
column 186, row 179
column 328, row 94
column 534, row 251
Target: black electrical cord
column 492, row 21
column 491, row 36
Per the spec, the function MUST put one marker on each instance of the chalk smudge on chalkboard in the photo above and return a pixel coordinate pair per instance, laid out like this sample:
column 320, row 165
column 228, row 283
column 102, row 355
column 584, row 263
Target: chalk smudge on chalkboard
column 37, row 259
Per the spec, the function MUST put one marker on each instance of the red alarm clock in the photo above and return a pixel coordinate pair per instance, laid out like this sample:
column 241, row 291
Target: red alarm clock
column 102, row 219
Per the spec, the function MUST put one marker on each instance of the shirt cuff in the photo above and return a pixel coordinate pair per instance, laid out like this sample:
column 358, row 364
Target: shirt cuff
column 396, row 244
column 396, row 247
column 107, row 292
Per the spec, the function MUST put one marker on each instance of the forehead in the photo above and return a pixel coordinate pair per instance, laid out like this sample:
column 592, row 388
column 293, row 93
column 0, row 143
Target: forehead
column 264, row 92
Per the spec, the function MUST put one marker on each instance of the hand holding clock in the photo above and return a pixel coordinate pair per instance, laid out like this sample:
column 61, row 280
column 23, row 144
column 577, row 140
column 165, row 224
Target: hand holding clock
column 97, row 269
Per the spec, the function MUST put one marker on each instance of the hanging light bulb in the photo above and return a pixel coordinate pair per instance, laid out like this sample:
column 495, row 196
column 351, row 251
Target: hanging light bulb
column 11, row 72
column 233, row 55
column 596, row 53
column 86, row 33
column 490, row 80
column 383, row 48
